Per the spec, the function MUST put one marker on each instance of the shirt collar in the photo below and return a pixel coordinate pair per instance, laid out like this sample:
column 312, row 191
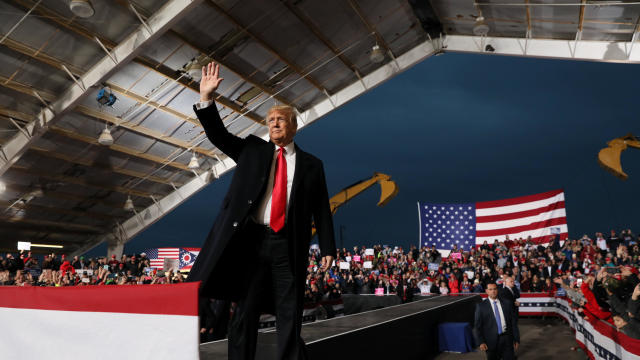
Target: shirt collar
column 290, row 148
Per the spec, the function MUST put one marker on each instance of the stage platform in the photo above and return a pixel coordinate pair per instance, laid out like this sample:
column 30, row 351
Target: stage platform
column 407, row 330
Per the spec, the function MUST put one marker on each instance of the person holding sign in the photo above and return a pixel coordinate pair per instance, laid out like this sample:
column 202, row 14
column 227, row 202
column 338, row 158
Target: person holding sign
column 265, row 220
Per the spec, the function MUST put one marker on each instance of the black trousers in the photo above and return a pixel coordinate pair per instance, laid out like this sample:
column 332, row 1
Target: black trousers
column 270, row 276
column 504, row 350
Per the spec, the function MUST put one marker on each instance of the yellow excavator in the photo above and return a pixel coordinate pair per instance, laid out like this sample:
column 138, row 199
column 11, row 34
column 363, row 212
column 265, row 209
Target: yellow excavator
column 388, row 190
column 609, row 157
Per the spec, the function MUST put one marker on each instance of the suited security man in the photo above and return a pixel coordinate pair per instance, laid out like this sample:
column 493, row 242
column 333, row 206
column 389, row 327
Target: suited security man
column 495, row 326
column 257, row 251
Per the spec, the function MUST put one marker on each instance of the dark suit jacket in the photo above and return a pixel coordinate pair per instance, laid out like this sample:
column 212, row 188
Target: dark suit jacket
column 506, row 294
column 547, row 274
column 485, row 327
column 229, row 249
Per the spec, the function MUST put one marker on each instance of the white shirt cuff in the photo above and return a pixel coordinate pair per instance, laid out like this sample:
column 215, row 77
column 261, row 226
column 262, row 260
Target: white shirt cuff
column 203, row 104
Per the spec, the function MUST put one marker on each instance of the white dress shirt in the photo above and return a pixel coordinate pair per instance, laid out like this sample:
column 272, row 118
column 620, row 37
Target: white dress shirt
column 502, row 321
column 262, row 214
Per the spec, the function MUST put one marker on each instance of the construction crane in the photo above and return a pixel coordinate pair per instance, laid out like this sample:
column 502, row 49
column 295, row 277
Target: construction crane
column 609, row 157
column 388, row 190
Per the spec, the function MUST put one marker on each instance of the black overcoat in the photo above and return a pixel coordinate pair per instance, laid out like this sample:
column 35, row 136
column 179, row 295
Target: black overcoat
column 227, row 255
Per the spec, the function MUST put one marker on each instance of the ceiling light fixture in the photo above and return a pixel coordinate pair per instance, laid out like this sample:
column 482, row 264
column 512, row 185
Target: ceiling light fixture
column 193, row 163
column 377, row 55
column 128, row 205
column 105, row 137
column 81, row 8
column 3, row 187
column 480, row 28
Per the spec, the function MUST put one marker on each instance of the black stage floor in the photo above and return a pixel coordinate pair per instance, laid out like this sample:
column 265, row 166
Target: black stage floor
column 407, row 329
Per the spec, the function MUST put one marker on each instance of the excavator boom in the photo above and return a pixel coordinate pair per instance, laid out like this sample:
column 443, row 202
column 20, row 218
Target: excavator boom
column 388, row 190
column 609, row 157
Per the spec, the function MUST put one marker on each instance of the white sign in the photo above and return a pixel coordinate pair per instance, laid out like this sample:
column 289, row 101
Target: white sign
column 344, row 265
column 24, row 245
column 170, row 264
column 368, row 265
column 348, row 258
column 368, row 252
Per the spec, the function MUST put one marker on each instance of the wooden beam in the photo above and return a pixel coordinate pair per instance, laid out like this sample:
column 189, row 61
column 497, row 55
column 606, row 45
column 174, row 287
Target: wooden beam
column 66, row 196
column 73, row 160
column 80, row 182
column 119, row 148
column 369, row 26
column 7, row 221
column 141, row 60
column 156, row 135
column 217, row 59
column 59, row 210
column 141, row 99
column 268, row 47
column 308, row 22
column 92, row 140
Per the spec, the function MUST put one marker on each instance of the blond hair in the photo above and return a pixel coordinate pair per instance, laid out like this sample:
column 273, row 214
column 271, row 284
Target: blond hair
column 287, row 110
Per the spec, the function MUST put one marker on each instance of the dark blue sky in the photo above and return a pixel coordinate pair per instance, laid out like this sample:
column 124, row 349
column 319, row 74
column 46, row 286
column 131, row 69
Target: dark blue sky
column 463, row 128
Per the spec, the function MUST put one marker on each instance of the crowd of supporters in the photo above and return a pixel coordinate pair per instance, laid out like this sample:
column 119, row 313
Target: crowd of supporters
column 25, row 270
column 600, row 274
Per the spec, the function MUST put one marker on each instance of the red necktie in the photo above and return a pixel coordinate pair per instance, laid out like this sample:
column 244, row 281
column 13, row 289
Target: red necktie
column 279, row 195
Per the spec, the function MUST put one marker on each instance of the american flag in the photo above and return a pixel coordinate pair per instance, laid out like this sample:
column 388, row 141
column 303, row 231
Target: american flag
column 537, row 216
column 185, row 256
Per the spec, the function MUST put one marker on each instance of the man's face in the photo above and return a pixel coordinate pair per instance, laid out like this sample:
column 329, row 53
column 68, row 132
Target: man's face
column 281, row 128
column 492, row 291
column 509, row 282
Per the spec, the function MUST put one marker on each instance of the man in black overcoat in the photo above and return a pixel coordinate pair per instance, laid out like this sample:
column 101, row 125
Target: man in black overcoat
column 495, row 326
column 257, row 251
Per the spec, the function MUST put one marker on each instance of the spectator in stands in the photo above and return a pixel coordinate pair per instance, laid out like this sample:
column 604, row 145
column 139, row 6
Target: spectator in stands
column 613, row 241
column 536, row 284
column 477, row 286
column 601, row 244
column 627, row 325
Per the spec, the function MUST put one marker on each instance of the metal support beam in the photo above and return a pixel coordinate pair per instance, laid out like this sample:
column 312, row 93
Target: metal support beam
column 308, row 22
column 107, row 44
column 79, row 181
column 134, row 225
column 74, row 135
column 268, row 47
column 160, row 22
column 379, row 39
column 608, row 51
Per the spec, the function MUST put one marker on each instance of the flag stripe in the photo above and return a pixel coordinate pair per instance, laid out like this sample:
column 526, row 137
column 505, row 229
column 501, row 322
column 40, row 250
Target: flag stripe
column 518, row 200
column 520, row 214
column 175, row 299
column 544, row 232
column 518, row 229
column 525, row 221
column 520, row 206
column 544, row 240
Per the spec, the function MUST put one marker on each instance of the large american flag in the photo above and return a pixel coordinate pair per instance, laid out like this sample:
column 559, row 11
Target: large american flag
column 539, row 216
column 185, row 256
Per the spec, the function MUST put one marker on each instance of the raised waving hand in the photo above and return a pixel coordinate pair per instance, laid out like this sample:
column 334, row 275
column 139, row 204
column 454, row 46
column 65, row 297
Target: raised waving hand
column 210, row 81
